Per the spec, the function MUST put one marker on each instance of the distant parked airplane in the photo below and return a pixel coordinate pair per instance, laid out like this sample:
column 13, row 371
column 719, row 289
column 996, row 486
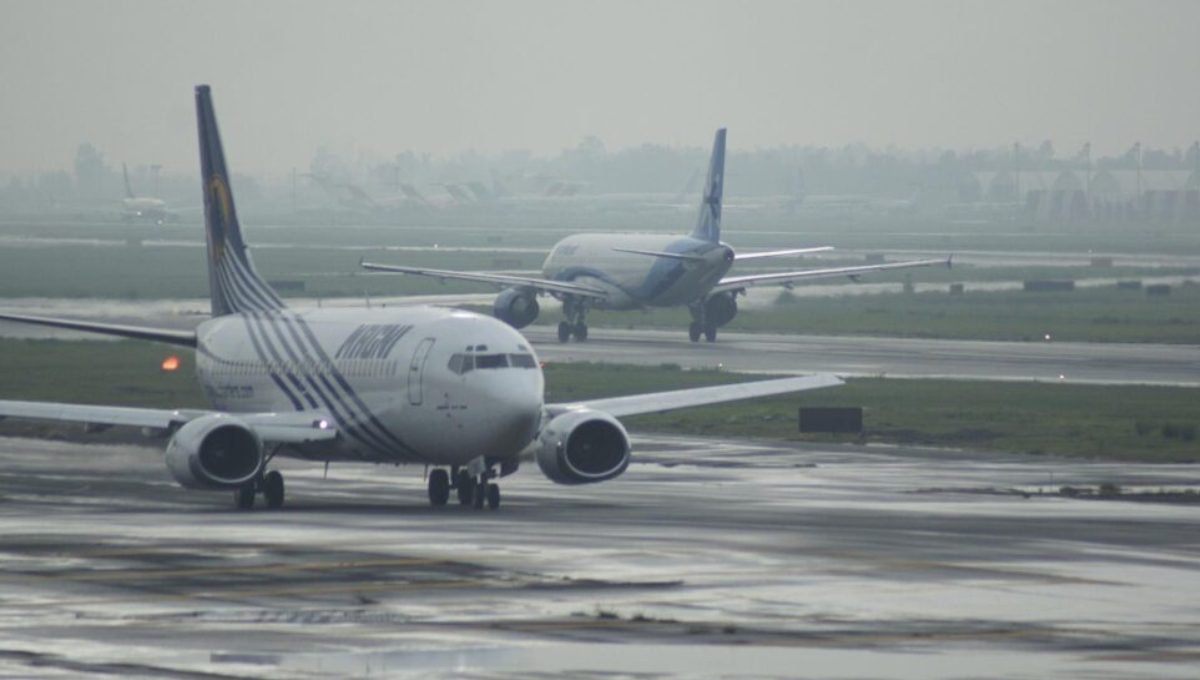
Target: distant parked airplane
column 153, row 209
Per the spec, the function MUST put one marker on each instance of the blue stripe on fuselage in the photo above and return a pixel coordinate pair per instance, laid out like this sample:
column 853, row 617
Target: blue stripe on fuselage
column 664, row 273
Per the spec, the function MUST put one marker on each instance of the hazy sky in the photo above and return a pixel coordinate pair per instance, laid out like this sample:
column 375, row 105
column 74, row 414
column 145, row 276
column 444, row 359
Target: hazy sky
column 449, row 76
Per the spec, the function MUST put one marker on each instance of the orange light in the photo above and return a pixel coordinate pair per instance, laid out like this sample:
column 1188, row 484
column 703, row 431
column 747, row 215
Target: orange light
column 170, row 364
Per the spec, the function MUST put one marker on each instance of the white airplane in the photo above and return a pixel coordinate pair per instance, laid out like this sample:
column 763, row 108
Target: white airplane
column 635, row 271
column 455, row 391
column 154, row 209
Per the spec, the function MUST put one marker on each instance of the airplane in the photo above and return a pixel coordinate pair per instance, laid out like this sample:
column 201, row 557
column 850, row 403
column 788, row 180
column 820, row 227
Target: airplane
column 635, row 271
column 459, row 392
column 154, row 209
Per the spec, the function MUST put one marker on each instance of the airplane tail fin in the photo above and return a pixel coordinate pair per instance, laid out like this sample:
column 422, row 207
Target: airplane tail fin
column 708, row 222
column 234, row 284
column 128, row 187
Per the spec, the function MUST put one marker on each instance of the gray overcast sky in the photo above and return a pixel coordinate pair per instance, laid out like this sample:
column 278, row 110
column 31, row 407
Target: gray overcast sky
column 449, row 76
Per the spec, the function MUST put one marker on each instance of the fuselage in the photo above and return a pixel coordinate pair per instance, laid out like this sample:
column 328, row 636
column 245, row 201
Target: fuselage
column 636, row 280
column 404, row 385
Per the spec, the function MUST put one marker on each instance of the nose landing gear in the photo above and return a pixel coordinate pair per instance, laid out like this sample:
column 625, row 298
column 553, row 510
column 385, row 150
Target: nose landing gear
column 472, row 490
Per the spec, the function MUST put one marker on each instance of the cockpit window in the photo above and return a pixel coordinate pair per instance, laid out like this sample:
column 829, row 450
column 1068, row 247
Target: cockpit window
column 485, row 361
column 462, row 363
column 522, row 361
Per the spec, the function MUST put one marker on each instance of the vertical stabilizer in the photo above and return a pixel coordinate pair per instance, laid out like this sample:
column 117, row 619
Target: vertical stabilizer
column 708, row 222
column 234, row 284
column 128, row 187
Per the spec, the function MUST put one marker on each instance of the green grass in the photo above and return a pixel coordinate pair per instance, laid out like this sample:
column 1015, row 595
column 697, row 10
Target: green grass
column 1150, row 424
column 124, row 373
column 1085, row 315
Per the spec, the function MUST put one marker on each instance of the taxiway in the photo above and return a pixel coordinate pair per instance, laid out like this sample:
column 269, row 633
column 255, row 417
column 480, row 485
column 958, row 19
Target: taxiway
column 707, row 559
column 1048, row 361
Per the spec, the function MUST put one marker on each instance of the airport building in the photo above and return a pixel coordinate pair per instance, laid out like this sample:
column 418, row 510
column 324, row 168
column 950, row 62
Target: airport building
column 1110, row 196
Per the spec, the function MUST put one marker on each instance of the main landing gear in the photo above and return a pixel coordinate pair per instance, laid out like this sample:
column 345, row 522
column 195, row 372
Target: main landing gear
column 270, row 485
column 575, row 324
column 471, row 490
column 709, row 314
column 701, row 324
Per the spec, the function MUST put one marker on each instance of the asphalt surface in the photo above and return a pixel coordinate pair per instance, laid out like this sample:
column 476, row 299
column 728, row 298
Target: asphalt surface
column 708, row 558
column 1048, row 361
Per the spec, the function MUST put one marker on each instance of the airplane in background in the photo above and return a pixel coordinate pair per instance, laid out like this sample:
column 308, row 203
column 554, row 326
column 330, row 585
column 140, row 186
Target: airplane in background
column 635, row 271
column 154, row 209
column 458, row 392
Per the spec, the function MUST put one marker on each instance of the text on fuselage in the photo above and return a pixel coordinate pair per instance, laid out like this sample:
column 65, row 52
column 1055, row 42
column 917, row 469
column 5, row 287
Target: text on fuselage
column 372, row 341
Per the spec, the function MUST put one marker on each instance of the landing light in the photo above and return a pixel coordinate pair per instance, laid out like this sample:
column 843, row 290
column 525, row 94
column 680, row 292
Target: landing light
column 171, row 363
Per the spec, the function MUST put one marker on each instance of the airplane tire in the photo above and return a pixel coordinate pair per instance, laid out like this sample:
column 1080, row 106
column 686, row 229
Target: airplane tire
column 273, row 490
column 243, row 496
column 694, row 331
column 465, row 486
column 493, row 496
column 480, row 494
column 439, row 487
column 581, row 332
column 710, row 334
column 564, row 331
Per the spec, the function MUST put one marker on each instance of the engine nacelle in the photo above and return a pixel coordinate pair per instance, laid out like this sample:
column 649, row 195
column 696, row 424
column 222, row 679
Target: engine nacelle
column 515, row 307
column 215, row 451
column 583, row 447
column 720, row 309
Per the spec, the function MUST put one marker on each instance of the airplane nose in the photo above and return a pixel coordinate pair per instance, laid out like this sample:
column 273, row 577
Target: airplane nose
column 515, row 411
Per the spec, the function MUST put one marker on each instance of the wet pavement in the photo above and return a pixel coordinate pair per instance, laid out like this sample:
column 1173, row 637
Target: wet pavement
column 709, row 558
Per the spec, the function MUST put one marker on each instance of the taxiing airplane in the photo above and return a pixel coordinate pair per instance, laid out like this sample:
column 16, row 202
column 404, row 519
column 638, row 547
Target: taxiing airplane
column 451, row 390
column 154, row 209
column 635, row 271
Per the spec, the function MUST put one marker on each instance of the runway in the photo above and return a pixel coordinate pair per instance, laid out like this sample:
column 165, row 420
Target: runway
column 707, row 559
column 1049, row 361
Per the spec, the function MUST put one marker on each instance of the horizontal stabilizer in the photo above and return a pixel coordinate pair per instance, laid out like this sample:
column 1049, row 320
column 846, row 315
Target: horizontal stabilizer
column 657, row 253
column 163, row 335
column 741, row 257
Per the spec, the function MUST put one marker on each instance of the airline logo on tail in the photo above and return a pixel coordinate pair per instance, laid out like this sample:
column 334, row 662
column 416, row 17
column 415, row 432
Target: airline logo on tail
column 708, row 222
column 218, row 192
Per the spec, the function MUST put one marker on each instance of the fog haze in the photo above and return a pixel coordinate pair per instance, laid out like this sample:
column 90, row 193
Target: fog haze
column 380, row 77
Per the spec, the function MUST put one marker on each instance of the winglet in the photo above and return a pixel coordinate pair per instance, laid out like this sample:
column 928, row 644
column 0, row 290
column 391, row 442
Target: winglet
column 708, row 222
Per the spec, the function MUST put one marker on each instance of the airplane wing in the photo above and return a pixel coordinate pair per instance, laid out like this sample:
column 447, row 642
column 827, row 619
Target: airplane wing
column 657, row 402
column 784, row 278
column 277, row 428
column 164, row 335
column 740, row 257
column 542, row 285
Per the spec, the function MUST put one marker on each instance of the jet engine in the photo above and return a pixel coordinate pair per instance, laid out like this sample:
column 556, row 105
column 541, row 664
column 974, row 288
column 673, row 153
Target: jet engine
column 215, row 451
column 720, row 309
column 515, row 307
column 583, row 447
